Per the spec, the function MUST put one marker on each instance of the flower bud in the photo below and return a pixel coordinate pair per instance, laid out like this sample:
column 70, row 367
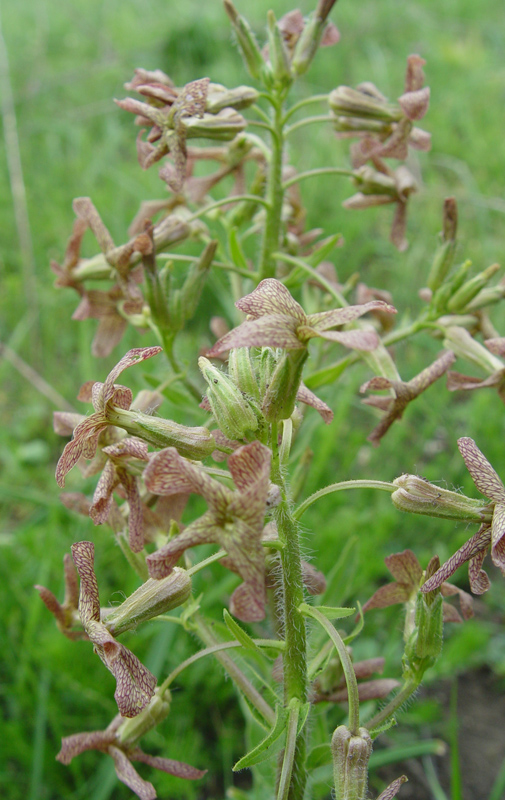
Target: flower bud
column 279, row 56
column 194, row 443
column 471, row 288
column 247, row 43
column 351, row 755
column 241, row 371
column 233, row 413
column 307, row 44
column 183, row 302
column 418, row 496
column 365, row 102
column 131, row 730
column 222, row 126
column 487, row 297
column 219, row 97
column 280, row 396
column 425, row 643
column 444, row 255
column 150, row 600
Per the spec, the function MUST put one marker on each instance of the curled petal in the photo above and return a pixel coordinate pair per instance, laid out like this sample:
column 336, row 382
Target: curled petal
column 132, row 357
column 341, row 316
column 72, row 746
column 479, row 581
column 304, row 395
column 83, row 554
column 388, row 595
column 478, row 544
column 465, row 600
column 393, row 789
column 356, row 339
column 247, row 604
column 498, row 536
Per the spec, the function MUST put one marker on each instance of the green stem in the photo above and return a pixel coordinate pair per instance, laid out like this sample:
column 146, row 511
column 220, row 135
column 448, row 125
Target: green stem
column 301, row 264
column 307, row 121
column 408, row 688
column 235, row 673
column 312, row 173
column 275, row 194
column 345, row 660
column 226, row 201
column 316, row 98
column 338, row 487
column 294, row 634
column 289, row 752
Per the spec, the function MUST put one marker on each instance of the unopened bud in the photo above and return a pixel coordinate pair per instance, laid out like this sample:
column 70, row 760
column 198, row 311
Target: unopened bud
column 131, row 730
column 233, row 413
column 471, row 288
column 351, row 754
column 219, row 97
column 150, row 600
column 419, row 496
column 247, row 43
column 363, row 103
column 280, row 396
column 222, row 126
column 487, row 297
column 241, row 371
column 307, row 44
column 279, row 56
column 194, row 443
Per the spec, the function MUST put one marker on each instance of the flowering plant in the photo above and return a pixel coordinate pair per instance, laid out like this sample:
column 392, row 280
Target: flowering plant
column 277, row 351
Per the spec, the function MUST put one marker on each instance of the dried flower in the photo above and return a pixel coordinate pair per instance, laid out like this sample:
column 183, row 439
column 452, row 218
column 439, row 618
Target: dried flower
column 234, row 519
column 404, row 393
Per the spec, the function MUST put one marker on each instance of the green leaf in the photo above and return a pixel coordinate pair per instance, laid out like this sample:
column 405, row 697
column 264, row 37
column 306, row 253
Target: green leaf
column 333, row 612
column 303, row 716
column 323, row 250
column 236, row 252
column 327, row 375
column 239, row 633
column 265, row 748
column 359, row 627
column 319, row 756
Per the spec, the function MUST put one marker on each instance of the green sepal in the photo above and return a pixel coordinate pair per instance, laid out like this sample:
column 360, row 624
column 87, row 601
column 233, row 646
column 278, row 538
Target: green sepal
column 265, row 749
column 238, row 632
column 359, row 627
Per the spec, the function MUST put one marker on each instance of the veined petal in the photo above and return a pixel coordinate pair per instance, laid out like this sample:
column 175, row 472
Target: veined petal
column 84, row 444
column 169, row 473
column 483, row 475
column 83, row 554
column 498, row 536
column 355, row 339
column 389, row 595
column 128, row 775
column 341, row 316
column 471, row 551
column 132, row 357
column 405, row 568
column 271, row 330
column 200, row 531
column 72, row 746
column 304, row 395
column 177, row 768
column 271, row 297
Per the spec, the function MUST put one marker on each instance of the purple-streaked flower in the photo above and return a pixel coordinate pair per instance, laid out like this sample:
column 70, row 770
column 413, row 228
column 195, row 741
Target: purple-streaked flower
column 103, row 396
column 467, row 347
column 490, row 534
column 404, row 393
column 135, row 685
column 234, row 519
column 121, row 745
column 275, row 319
column 409, row 579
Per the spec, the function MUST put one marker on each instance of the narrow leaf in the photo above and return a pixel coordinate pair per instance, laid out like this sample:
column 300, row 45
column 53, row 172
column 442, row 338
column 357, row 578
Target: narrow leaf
column 264, row 749
column 239, row 633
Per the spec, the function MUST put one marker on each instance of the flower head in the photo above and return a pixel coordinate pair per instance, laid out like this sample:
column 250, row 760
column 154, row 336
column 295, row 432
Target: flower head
column 275, row 319
column 135, row 685
column 234, row 519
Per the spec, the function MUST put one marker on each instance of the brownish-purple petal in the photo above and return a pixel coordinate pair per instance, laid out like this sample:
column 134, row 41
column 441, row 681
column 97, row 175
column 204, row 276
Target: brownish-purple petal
column 483, row 475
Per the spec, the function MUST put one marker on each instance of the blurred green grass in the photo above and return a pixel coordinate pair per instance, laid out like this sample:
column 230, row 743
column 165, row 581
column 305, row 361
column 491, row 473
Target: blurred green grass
column 67, row 62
